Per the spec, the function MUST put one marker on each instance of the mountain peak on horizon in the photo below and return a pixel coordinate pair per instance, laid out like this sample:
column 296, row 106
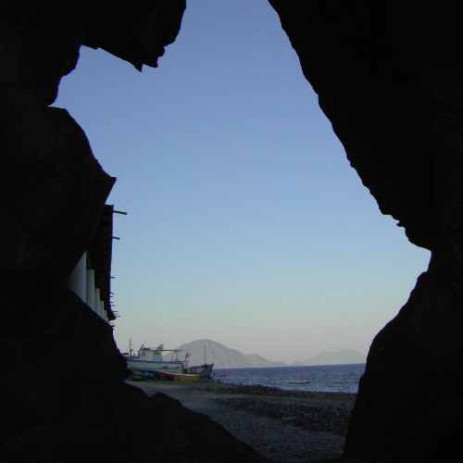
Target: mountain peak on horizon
column 209, row 351
column 205, row 340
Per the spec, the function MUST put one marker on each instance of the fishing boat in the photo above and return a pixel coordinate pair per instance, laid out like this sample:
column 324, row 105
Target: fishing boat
column 151, row 363
column 205, row 370
column 147, row 362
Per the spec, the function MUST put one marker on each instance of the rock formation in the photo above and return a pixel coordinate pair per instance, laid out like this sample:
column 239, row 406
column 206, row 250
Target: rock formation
column 62, row 395
column 388, row 76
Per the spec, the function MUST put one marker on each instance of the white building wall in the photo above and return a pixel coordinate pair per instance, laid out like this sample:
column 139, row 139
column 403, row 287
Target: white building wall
column 77, row 281
column 82, row 282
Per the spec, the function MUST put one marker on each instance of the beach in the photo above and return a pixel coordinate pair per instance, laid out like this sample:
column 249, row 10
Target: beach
column 284, row 426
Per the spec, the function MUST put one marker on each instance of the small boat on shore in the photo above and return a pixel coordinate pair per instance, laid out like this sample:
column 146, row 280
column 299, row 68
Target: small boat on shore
column 148, row 361
column 151, row 363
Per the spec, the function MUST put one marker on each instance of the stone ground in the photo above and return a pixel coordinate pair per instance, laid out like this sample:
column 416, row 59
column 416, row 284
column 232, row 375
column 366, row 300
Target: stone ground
column 285, row 427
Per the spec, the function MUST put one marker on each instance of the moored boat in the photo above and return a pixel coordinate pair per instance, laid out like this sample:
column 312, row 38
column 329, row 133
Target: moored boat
column 204, row 371
column 151, row 363
column 148, row 361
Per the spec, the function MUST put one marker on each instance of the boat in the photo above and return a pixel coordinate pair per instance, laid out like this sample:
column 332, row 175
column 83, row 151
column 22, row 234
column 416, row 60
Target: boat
column 147, row 362
column 204, row 371
column 150, row 363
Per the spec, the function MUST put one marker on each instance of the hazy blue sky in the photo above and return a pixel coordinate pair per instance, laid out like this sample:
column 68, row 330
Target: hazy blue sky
column 246, row 223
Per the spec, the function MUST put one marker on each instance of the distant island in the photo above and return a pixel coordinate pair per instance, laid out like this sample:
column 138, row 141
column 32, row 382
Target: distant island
column 207, row 351
column 337, row 357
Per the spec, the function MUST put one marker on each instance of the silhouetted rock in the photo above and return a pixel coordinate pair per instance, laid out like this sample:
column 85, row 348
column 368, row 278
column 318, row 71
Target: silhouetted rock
column 388, row 76
column 63, row 395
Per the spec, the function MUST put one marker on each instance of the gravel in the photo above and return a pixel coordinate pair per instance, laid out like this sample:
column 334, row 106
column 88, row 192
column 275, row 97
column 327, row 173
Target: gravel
column 284, row 426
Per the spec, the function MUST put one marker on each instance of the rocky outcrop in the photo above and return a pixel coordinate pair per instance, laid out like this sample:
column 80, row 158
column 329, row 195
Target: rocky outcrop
column 62, row 395
column 388, row 76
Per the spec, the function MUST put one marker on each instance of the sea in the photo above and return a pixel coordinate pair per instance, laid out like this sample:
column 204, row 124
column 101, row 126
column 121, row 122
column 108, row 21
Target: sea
column 328, row 378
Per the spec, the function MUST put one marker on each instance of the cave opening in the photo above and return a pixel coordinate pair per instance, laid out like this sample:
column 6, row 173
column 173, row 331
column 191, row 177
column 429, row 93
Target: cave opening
column 245, row 221
column 246, row 224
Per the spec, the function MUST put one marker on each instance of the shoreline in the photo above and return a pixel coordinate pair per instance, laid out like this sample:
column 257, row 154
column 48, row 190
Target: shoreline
column 314, row 378
column 284, row 426
column 311, row 410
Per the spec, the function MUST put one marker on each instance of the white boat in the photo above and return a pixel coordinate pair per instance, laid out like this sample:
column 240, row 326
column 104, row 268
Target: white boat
column 147, row 362
column 151, row 363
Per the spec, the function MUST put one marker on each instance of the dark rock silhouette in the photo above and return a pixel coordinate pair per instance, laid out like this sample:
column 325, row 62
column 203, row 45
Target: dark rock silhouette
column 62, row 395
column 388, row 75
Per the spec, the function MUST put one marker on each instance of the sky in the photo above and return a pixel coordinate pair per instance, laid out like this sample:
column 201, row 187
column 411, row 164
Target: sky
column 246, row 224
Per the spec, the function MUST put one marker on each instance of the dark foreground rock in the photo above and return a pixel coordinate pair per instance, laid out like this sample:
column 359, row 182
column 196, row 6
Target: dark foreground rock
column 67, row 400
column 62, row 392
column 123, row 425
column 388, row 76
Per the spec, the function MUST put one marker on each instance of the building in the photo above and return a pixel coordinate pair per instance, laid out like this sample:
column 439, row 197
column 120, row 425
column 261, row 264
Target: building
column 91, row 277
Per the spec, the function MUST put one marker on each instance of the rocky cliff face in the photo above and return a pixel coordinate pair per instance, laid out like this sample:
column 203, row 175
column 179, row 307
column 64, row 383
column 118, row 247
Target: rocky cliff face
column 388, row 76
column 62, row 395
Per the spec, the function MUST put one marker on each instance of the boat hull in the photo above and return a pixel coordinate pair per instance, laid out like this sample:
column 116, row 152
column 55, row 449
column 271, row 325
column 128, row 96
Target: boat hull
column 204, row 371
column 147, row 368
column 178, row 377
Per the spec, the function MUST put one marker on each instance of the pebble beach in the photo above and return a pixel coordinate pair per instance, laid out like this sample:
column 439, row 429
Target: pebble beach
column 283, row 426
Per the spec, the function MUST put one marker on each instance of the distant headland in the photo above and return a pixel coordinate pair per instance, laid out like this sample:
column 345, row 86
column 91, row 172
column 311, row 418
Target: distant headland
column 208, row 351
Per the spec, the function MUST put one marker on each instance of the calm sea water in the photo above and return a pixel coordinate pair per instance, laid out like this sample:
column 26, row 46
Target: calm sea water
column 330, row 378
